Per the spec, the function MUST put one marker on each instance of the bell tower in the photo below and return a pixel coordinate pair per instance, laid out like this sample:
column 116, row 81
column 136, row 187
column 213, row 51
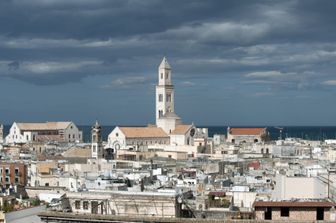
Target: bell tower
column 164, row 91
column 96, row 141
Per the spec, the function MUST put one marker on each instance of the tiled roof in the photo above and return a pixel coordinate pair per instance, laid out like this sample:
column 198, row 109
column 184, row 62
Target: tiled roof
column 43, row 126
column 181, row 129
column 77, row 152
column 247, row 131
column 143, row 132
column 298, row 203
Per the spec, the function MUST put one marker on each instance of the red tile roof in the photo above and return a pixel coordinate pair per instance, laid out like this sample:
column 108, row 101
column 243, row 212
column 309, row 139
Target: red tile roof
column 247, row 131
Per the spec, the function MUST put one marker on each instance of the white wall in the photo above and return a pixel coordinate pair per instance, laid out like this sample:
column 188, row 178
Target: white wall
column 298, row 187
column 72, row 134
column 115, row 138
column 15, row 135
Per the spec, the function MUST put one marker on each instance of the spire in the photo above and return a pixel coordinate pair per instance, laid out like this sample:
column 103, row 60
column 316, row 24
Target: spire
column 164, row 64
column 96, row 125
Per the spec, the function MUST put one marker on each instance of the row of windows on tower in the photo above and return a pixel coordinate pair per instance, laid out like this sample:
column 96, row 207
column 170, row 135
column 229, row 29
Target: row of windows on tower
column 166, row 76
column 168, row 97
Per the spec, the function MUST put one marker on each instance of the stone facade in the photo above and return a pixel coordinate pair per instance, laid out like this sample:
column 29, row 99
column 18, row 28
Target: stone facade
column 125, row 203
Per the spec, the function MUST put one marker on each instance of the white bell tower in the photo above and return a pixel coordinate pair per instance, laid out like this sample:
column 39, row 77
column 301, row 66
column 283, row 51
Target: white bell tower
column 164, row 91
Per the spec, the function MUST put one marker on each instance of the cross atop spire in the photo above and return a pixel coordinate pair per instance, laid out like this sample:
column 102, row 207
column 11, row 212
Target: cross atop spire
column 164, row 64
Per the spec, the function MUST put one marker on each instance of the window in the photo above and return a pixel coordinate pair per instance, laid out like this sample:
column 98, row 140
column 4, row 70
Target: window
column 77, row 204
column 284, row 212
column 16, row 171
column 94, row 148
column 160, row 97
column 166, row 75
column 7, row 179
column 85, row 205
column 168, row 97
column 16, row 180
column 161, row 75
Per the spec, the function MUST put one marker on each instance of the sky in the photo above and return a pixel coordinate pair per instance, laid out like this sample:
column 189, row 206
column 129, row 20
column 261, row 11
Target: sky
column 233, row 62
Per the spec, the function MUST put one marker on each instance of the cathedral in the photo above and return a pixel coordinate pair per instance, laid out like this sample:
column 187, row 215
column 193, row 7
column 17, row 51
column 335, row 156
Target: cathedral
column 168, row 131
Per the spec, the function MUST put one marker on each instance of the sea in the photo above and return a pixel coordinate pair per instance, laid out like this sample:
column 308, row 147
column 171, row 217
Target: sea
column 303, row 132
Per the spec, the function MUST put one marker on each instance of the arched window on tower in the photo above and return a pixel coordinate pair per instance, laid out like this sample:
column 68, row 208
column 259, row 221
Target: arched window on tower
column 161, row 75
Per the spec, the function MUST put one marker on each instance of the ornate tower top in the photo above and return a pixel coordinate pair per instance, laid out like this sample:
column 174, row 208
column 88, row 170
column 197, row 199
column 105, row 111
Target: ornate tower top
column 164, row 64
column 164, row 73
column 96, row 125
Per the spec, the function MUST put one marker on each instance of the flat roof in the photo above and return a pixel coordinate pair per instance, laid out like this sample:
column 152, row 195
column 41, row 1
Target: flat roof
column 299, row 203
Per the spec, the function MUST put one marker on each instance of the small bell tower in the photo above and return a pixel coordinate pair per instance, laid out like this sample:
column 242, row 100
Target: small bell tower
column 1, row 133
column 96, row 141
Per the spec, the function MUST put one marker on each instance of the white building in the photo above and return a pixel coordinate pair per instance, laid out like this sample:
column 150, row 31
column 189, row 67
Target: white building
column 287, row 188
column 134, row 138
column 218, row 139
column 44, row 132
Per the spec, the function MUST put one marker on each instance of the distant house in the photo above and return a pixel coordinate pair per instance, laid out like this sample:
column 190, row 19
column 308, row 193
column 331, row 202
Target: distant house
column 44, row 132
column 246, row 135
column 293, row 210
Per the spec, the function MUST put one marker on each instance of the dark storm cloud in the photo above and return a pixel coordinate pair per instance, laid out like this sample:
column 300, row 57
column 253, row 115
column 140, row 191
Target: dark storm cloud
column 58, row 41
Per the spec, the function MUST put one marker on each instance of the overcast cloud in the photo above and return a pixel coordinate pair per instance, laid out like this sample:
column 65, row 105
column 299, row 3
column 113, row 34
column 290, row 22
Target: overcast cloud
column 234, row 62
